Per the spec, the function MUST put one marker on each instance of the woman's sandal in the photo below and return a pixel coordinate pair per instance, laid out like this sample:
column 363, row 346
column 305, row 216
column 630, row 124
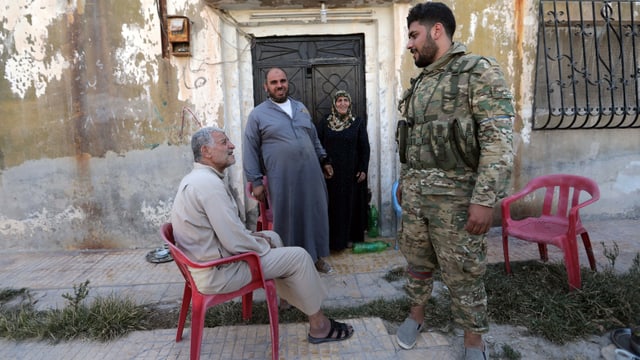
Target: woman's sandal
column 342, row 330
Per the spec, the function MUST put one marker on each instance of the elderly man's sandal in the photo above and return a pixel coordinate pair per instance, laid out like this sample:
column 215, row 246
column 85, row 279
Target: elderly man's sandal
column 342, row 330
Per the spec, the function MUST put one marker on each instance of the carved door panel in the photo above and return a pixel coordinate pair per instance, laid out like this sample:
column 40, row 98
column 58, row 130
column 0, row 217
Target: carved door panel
column 316, row 66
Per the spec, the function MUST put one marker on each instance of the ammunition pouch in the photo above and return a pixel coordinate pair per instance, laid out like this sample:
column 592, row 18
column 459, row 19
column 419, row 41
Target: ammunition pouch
column 440, row 140
column 466, row 142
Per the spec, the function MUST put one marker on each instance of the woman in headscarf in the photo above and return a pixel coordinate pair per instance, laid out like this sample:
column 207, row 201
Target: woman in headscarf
column 344, row 137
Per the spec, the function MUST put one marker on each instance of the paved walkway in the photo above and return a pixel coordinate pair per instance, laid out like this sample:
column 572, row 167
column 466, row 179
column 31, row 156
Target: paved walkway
column 358, row 280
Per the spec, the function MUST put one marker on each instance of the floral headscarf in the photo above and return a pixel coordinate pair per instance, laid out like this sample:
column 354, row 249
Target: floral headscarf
column 337, row 121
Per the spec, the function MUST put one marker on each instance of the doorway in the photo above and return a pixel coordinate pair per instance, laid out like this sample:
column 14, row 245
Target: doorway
column 316, row 66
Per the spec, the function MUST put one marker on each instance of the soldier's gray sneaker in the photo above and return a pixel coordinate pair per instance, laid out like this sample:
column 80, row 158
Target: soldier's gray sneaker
column 408, row 333
column 476, row 354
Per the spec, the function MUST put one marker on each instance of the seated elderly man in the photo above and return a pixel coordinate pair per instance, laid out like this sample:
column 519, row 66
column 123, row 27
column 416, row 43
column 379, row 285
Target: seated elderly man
column 207, row 226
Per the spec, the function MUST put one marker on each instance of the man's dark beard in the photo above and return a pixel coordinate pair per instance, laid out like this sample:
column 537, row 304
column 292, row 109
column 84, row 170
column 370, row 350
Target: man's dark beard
column 426, row 55
column 280, row 100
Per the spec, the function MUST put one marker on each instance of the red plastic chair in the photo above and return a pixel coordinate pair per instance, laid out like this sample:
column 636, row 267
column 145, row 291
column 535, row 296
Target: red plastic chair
column 201, row 302
column 265, row 218
column 558, row 223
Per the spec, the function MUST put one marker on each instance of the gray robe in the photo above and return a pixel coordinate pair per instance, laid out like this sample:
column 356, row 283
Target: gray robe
column 287, row 151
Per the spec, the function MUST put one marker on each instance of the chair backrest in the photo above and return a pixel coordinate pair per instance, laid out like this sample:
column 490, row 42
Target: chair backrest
column 563, row 192
column 179, row 257
column 183, row 262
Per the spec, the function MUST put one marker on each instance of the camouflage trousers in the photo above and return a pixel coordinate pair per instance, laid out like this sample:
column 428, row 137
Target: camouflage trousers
column 433, row 237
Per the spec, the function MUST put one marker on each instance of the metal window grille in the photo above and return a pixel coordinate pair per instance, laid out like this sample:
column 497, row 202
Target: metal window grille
column 588, row 65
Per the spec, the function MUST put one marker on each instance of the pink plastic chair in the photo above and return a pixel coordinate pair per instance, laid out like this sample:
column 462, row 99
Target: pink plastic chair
column 558, row 223
column 265, row 218
column 201, row 302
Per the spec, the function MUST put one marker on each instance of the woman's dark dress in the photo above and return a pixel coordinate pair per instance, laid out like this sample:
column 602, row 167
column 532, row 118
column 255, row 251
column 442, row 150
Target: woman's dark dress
column 349, row 153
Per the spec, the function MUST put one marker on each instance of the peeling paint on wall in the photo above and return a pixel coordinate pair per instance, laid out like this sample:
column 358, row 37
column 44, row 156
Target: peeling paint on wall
column 473, row 24
column 201, row 75
column 180, row 7
column 41, row 221
column 27, row 65
column 24, row 72
column 527, row 47
column 628, row 180
column 137, row 59
column 525, row 132
column 157, row 214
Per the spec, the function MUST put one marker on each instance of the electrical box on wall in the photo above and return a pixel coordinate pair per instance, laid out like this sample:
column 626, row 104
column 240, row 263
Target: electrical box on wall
column 178, row 35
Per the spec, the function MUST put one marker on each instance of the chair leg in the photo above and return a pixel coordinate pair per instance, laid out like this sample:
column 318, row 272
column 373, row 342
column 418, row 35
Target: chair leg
column 197, row 326
column 544, row 254
column 272, row 304
column 505, row 250
column 247, row 304
column 573, row 267
column 184, row 309
column 589, row 249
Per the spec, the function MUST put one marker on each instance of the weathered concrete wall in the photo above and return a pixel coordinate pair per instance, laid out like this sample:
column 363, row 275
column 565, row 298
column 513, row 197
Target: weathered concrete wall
column 114, row 201
column 610, row 157
column 94, row 139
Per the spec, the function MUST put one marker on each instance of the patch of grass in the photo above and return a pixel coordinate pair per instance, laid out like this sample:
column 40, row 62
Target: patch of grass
column 537, row 297
column 7, row 295
column 22, row 322
column 103, row 319
column 112, row 317
column 395, row 274
column 510, row 353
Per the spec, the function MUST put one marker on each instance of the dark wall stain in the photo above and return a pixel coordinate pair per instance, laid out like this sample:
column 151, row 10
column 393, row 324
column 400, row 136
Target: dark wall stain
column 78, row 79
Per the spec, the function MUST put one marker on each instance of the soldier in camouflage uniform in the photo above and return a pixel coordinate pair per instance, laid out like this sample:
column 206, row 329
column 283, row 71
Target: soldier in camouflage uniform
column 456, row 155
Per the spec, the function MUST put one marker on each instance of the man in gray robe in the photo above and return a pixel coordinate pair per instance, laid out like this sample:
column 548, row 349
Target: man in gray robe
column 280, row 141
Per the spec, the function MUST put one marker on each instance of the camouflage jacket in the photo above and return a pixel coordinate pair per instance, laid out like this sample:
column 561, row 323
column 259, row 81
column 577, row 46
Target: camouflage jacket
column 459, row 112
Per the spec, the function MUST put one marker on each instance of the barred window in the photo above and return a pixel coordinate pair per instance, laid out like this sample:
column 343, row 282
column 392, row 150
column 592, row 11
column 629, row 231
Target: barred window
column 588, row 65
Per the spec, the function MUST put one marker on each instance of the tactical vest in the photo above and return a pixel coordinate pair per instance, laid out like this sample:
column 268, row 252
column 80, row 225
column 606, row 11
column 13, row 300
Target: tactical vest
column 444, row 135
